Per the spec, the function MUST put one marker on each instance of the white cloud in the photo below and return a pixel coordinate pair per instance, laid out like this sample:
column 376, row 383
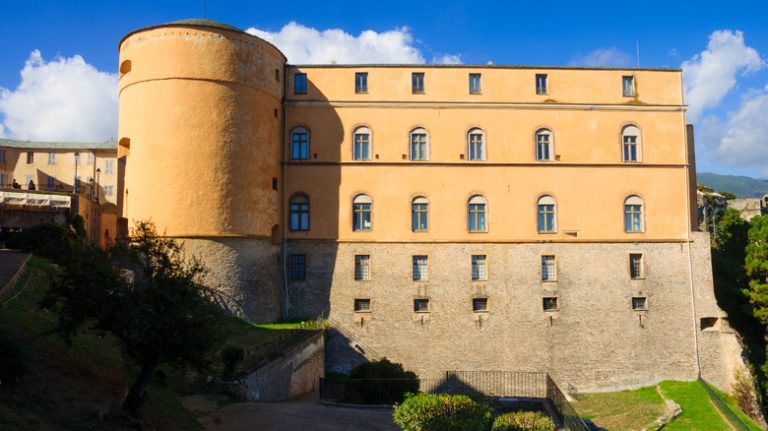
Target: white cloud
column 447, row 59
column 607, row 57
column 63, row 99
column 305, row 45
column 745, row 139
column 711, row 74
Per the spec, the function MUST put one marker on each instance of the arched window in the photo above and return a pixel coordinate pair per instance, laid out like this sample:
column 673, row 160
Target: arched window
column 545, row 214
column 361, row 142
column 631, row 143
column 298, row 210
column 633, row 214
column 362, row 206
column 419, row 213
column 299, row 144
column 477, row 214
column 476, row 144
column 419, row 144
column 544, row 147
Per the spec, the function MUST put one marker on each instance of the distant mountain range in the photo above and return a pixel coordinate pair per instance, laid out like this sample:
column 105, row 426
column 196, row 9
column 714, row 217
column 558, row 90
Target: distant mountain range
column 742, row 187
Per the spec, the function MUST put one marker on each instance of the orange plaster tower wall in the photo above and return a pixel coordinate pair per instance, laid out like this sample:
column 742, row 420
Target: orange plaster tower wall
column 200, row 117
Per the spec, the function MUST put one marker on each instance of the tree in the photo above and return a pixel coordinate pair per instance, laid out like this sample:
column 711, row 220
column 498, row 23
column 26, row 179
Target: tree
column 156, row 305
column 756, row 265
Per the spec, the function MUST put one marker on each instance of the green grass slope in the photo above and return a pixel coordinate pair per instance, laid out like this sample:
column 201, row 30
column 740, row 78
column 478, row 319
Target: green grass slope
column 742, row 187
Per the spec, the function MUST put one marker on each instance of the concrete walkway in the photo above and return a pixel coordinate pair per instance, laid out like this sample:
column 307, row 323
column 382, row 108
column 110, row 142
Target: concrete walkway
column 302, row 415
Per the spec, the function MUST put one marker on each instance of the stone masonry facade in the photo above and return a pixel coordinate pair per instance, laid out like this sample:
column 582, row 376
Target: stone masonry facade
column 595, row 340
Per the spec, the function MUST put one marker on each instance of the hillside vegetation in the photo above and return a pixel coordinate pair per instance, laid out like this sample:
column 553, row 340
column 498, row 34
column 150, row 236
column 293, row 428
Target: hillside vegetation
column 742, row 187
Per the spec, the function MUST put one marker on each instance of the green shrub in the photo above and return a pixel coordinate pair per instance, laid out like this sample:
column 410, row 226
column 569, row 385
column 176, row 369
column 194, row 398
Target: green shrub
column 523, row 421
column 47, row 240
column 231, row 356
column 13, row 357
column 379, row 382
column 442, row 412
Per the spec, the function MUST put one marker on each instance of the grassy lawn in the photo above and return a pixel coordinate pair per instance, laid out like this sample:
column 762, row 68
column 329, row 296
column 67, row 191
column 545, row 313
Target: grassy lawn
column 70, row 386
column 625, row 410
column 633, row 410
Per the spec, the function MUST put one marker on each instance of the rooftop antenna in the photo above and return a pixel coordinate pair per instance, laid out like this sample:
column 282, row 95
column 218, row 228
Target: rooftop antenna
column 638, row 54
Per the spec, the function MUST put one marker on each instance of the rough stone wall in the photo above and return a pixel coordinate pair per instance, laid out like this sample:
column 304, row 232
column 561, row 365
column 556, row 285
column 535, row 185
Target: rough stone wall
column 246, row 272
column 294, row 373
column 595, row 341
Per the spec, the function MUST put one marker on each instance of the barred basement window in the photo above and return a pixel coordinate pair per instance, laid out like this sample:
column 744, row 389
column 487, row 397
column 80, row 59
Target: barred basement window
column 639, row 303
column 478, row 267
column 479, row 304
column 362, row 305
column 636, row 266
column 420, row 272
column 550, row 303
column 298, row 266
column 362, row 267
column 421, row 305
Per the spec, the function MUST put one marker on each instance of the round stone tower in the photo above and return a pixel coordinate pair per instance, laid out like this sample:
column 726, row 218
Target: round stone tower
column 200, row 132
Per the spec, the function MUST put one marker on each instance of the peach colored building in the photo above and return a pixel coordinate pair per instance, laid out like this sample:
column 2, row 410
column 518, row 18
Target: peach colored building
column 447, row 217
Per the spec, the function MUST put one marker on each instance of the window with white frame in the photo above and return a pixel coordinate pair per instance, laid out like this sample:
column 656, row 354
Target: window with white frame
column 420, row 270
column 476, row 144
column 299, row 144
column 109, row 190
column 90, row 159
column 362, row 207
column 628, row 86
column 479, row 271
column 298, row 209
column 630, row 143
column 474, row 83
column 545, row 214
column 51, row 158
column 109, row 166
column 419, row 144
column 548, row 269
column 419, row 214
column 544, row 150
column 633, row 214
column 362, row 267
column 361, row 144
column 361, row 82
column 477, row 209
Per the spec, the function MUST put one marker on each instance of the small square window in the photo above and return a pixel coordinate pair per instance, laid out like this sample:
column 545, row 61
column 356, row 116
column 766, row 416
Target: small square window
column 421, row 305
column 479, row 304
column 478, row 268
column 541, row 84
column 548, row 270
column 298, row 268
column 474, row 83
column 417, row 82
column 361, row 82
column 550, row 303
column 628, row 86
column 300, row 83
column 420, row 272
column 636, row 266
column 362, row 267
column 639, row 303
column 362, row 305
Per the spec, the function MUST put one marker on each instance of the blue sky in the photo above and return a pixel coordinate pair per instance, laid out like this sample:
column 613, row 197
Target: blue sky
column 731, row 94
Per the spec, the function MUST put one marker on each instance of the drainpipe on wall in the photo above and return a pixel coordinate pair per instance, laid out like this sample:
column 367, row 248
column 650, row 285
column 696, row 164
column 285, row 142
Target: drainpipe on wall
column 691, row 164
